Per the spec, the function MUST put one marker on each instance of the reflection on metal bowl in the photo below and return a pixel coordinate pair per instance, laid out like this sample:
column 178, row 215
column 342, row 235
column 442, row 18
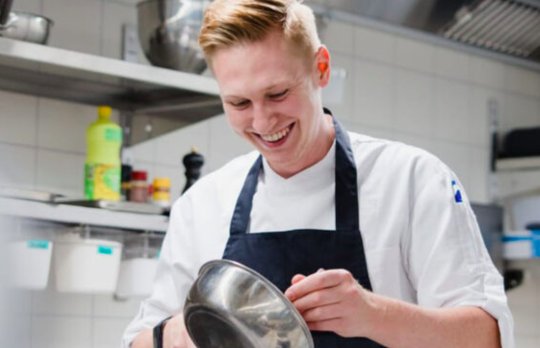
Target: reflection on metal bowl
column 232, row 306
column 26, row 27
column 168, row 33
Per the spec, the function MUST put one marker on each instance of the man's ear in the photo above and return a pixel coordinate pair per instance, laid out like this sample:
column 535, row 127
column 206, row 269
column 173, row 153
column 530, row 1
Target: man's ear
column 322, row 66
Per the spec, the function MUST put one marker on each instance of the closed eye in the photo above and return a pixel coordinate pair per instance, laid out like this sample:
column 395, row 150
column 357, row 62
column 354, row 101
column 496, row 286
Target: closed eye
column 240, row 104
column 279, row 96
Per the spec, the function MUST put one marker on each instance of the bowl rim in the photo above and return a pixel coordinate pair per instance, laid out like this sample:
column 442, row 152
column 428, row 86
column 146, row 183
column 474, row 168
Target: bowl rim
column 268, row 284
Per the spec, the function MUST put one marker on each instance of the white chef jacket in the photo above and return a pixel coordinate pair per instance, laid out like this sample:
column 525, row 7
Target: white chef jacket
column 422, row 245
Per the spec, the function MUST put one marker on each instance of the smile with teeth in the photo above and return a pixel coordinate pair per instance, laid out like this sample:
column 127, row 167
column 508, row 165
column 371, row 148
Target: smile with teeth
column 276, row 136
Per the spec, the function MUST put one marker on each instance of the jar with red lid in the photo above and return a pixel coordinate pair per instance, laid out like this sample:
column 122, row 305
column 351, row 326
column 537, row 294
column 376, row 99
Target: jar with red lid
column 139, row 186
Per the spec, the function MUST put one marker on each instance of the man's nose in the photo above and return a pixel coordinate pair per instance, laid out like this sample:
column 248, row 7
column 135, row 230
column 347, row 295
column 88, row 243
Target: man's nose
column 263, row 119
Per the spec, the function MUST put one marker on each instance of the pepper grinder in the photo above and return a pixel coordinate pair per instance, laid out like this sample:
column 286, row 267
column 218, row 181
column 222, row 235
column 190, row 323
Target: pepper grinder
column 193, row 162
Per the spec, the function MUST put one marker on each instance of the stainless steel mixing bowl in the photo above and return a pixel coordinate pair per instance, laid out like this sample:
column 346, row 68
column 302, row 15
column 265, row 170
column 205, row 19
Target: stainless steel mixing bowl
column 168, row 33
column 232, row 306
column 26, row 27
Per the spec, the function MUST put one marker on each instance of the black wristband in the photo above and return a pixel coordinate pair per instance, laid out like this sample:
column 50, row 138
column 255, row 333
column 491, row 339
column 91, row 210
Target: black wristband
column 158, row 333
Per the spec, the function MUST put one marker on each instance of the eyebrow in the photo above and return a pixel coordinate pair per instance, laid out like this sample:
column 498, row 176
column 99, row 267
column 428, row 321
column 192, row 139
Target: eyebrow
column 266, row 91
column 290, row 85
column 273, row 86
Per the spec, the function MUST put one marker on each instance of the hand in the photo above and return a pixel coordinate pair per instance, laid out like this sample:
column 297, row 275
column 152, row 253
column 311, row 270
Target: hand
column 175, row 334
column 332, row 300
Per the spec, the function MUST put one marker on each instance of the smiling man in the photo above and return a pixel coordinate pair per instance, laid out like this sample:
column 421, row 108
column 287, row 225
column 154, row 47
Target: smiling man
column 273, row 100
column 363, row 235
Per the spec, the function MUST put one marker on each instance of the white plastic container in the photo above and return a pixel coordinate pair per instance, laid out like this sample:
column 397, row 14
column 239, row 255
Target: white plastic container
column 521, row 245
column 525, row 211
column 136, row 277
column 29, row 263
column 86, row 265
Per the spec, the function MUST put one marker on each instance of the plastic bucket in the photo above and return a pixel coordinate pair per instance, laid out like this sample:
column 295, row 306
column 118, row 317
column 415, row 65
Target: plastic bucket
column 29, row 263
column 136, row 277
column 86, row 265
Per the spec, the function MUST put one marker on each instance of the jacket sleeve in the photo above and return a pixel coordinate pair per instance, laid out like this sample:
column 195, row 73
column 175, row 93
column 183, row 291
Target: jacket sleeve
column 448, row 262
column 174, row 276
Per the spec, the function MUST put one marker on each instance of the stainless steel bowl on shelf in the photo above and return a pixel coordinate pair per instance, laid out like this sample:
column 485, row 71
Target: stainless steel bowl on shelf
column 232, row 306
column 27, row 27
column 168, row 33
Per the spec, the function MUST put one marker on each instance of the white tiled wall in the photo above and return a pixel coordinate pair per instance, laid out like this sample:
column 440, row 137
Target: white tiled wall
column 525, row 304
column 411, row 91
column 374, row 82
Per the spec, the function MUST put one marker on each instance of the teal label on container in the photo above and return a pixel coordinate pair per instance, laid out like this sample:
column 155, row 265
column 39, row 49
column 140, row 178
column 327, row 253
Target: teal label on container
column 38, row 244
column 113, row 134
column 104, row 250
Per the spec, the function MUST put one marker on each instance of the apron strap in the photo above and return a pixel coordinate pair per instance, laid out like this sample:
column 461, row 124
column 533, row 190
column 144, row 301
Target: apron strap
column 242, row 210
column 346, row 182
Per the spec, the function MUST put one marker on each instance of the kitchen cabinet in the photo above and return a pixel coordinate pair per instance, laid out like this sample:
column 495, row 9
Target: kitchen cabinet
column 94, row 80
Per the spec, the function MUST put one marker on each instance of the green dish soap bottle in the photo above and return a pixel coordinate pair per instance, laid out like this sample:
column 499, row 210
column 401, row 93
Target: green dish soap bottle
column 103, row 166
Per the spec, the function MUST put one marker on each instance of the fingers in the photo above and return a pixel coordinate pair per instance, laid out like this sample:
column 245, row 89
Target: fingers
column 317, row 281
column 297, row 278
column 323, row 313
column 318, row 298
column 325, row 325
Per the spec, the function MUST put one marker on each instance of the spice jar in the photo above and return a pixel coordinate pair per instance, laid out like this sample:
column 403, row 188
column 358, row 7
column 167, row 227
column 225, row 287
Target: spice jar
column 139, row 187
column 161, row 193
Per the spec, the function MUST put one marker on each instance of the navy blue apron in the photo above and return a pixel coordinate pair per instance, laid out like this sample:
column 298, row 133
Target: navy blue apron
column 280, row 255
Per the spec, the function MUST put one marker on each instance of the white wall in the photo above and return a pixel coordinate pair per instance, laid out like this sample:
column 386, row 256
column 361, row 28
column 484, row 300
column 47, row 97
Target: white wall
column 397, row 88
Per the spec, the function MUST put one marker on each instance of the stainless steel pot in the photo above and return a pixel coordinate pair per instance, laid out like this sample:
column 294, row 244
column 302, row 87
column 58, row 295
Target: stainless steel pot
column 23, row 26
column 168, row 33
column 232, row 306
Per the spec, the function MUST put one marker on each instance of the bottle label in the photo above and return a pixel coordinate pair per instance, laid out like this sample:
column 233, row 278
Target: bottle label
column 102, row 181
column 113, row 134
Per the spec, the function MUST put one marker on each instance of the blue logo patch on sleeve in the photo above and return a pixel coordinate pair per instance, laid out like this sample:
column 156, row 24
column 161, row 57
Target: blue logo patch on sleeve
column 457, row 193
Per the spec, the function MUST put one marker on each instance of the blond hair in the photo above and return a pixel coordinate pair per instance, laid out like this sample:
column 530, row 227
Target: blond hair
column 230, row 22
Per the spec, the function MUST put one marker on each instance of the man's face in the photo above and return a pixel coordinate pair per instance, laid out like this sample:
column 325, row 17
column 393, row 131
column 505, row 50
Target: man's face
column 272, row 98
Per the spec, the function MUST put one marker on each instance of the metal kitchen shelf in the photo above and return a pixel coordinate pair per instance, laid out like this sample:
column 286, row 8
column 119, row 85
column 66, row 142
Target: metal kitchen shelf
column 88, row 79
column 521, row 163
column 64, row 213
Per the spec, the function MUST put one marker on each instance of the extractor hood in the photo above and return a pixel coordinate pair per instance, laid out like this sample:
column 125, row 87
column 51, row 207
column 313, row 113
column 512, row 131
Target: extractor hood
column 510, row 27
